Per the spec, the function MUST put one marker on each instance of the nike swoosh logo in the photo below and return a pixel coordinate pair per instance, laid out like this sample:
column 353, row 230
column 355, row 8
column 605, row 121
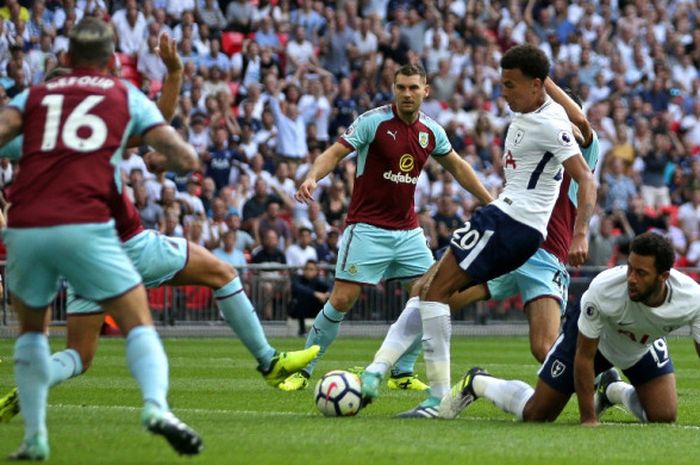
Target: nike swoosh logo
column 662, row 364
column 625, row 323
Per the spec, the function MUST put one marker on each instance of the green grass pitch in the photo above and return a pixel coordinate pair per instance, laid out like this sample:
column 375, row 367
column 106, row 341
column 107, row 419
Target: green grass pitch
column 215, row 388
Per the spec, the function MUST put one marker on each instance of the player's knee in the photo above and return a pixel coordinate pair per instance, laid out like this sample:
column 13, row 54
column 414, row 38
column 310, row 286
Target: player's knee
column 662, row 416
column 539, row 350
column 342, row 301
column 223, row 273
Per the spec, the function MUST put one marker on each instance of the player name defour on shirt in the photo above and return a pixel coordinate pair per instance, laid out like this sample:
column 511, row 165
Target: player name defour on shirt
column 93, row 81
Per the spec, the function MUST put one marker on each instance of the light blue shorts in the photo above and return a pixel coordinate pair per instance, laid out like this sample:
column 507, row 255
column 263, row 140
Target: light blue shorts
column 157, row 259
column 542, row 275
column 370, row 254
column 89, row 256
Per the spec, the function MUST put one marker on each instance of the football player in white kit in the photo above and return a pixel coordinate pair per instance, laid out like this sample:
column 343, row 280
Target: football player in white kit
column 621, row 321
column 500, row 237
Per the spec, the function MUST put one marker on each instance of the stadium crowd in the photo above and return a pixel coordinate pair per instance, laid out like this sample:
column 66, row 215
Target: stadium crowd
column 267, row 85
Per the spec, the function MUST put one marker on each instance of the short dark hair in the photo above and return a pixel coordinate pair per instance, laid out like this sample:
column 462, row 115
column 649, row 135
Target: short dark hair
column 57, row 72
column 411, row 70
column 91, row 43
column 530, row 60
column 650, row 244
column 574, row 96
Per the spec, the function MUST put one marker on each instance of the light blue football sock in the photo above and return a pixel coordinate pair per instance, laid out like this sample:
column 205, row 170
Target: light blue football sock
column 240, row 315
column 65, row 365
column 407, row 362
column 323, row 332
column 148, row 364
column 32, row 369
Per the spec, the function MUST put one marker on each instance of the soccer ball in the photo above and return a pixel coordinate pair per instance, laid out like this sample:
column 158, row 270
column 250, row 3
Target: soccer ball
column 338, row 394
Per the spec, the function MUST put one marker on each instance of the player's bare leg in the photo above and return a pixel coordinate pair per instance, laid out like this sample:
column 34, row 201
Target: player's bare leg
column 204, row 269
column 655, row 401
column 149, row 366
column 544, row 318
column 32, row 370
column 545, row 404
column 325, row 329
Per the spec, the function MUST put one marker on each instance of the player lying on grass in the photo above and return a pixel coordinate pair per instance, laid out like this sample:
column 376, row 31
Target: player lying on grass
column 163, row 260
column 621, row 321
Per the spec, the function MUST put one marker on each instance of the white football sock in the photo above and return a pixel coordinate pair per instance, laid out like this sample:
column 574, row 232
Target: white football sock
column 437, row 329
column 399, row 338
column 625, row 394
column 509, row 395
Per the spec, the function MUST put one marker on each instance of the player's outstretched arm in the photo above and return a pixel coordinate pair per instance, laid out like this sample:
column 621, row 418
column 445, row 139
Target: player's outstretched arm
column 573, row 110
column 169, row 95
column 181, row 156
column 578, row 169
column 584, row 378
column 465, row 176
column 324, row 164
column 167, row 103
column 10, row 124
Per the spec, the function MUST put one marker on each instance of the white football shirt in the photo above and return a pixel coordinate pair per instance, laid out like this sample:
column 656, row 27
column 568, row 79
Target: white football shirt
column 537, row 143
column 627, row 329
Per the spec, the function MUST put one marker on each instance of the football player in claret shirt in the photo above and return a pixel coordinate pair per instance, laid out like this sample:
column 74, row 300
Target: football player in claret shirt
column 60, row 224
column 383, row 239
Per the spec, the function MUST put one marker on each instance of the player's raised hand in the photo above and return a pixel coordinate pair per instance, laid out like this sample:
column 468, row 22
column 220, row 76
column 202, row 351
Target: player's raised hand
column 305, row 191
column 167, row 50
column 578, row 252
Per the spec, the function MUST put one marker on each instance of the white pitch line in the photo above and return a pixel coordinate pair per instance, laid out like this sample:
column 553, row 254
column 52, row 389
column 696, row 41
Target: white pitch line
column 310, row 414
column 185, row 410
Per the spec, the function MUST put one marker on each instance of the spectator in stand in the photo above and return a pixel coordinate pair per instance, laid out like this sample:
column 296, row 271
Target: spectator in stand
column 256, row 205
column 271, row 220
column 228, row 253
column 602, row 242
column 172, row 226
column 215, row 226
column 302, row 251
column 637, row 217
column 689, row 215
column 149, row 62
column 211, row 15
column 240, row 14
column 299, row 51
column 654, row 189
column 291, row 130
column 337, row 45
column 309, row 293
column 334, row 203
column 267, row 37
column 619, row 188
column 446, row 220
column 191, row 197
column 151, row 213
column 220, row 159
column 244, row 241
column 273, row 277
column 131, row 28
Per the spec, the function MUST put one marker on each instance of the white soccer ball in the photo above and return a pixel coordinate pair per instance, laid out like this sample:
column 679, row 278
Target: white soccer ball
column 338, row 394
